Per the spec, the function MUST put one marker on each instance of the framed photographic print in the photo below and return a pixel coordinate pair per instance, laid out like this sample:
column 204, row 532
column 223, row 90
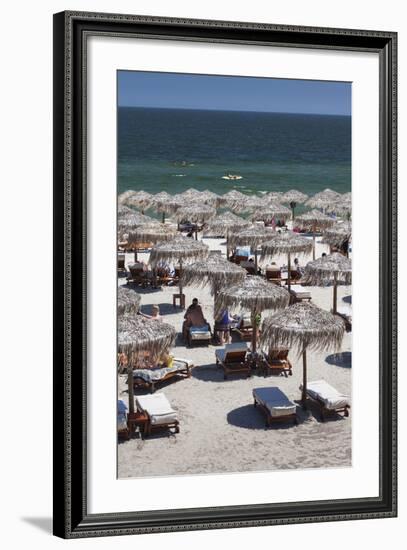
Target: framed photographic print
column 225, row 274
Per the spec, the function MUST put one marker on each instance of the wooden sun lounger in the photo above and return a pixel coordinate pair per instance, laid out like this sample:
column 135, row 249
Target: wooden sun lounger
column 155, row 413
column 199, row 335
column 137, row 275
column 238, row 259
column 276, row 362
column 327, row 398
column 164, row 277
column 299, row 294
column 151, row 378
column 275, row 405
column 274, row 276
column 245, row 329
column 249, row 267
column 232, row 359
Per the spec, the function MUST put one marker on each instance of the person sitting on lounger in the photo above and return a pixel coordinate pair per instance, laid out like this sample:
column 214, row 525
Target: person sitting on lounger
column 194, row 317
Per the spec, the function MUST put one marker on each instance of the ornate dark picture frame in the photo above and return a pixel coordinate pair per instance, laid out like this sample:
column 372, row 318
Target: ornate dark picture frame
column 71, row 518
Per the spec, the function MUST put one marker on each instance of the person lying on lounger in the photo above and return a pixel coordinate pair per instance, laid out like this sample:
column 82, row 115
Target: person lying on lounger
column 194, row 317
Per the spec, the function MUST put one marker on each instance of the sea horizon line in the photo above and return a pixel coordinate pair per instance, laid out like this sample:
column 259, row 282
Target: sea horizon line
column 230, row 110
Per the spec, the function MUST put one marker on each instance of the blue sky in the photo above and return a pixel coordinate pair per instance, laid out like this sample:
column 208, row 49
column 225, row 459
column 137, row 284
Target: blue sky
column 185, row 91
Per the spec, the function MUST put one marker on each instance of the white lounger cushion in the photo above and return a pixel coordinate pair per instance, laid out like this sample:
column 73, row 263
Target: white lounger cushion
column 158, row 408
column 236, row 346
column 300, row 291
column 275, row 401
column 200, row 333
column 156, row 374
column 332, row 399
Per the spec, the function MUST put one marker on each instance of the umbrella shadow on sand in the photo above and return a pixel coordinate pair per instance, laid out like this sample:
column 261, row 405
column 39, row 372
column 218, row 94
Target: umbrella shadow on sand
column 251, row 418
column 208, row 373
column 144, row 289
column 165, row 309
column 342, row 359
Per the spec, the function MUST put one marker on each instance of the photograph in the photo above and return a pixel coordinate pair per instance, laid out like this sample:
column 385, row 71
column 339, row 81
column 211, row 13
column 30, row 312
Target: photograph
column 234, row 274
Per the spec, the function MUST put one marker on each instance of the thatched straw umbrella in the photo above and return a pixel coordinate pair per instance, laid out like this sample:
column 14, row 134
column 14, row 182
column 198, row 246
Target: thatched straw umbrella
column 342, row 206
column 150, row 233
column 123, row 210
column 255, row 295
column 233, row 198
column 249, row 204
column 128, row 301
column 159, row 201
column 180, row 249
column 286, row 243
column 273, row 196
column 123, row 197
column 139, row 199
column 270, row 211
column 191, row 194
column 293, row 197
column 195, row 213
column 333, row 268
column 212, row 199
column 136, row 335
column 131, row 220
column 313, row 220
column 252, row 236
column 306, row 327
column 323, row 199
column 338, row 234
column 226, row 225
column 215, row 270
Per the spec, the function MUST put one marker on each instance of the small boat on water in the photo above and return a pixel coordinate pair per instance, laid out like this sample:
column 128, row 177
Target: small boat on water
column 232, row 177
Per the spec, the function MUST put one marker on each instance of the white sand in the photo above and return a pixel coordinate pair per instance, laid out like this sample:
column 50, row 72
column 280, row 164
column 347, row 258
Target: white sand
column 220, row 430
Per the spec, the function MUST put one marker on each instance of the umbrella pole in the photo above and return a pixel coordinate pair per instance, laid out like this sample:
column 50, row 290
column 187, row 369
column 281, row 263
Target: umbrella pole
column 131, row 388
column 227, row 248
column 180, row 276
column 163, row 217
column 255, row 259
column 313, row 243
column 254, row 334
column 135, row 254
column 304, row 378
column 335, row 297
column 289, row 271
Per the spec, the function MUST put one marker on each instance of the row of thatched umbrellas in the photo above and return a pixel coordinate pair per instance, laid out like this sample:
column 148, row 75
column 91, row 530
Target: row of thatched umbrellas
column 232, row 288
column 272, row 203
column 302, row 326
column 195, row 267
column 135, row 227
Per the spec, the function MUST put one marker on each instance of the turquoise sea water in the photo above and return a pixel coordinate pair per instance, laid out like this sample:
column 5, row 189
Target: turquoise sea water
column 172, row 150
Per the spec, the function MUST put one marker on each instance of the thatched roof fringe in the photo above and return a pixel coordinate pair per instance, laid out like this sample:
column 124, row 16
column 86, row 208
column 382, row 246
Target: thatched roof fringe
column 128, row 301
column 136, row 335
column 303, row 326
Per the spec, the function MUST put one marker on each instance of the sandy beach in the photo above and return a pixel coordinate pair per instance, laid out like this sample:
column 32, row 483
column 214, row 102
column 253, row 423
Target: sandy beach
column 220, row 429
